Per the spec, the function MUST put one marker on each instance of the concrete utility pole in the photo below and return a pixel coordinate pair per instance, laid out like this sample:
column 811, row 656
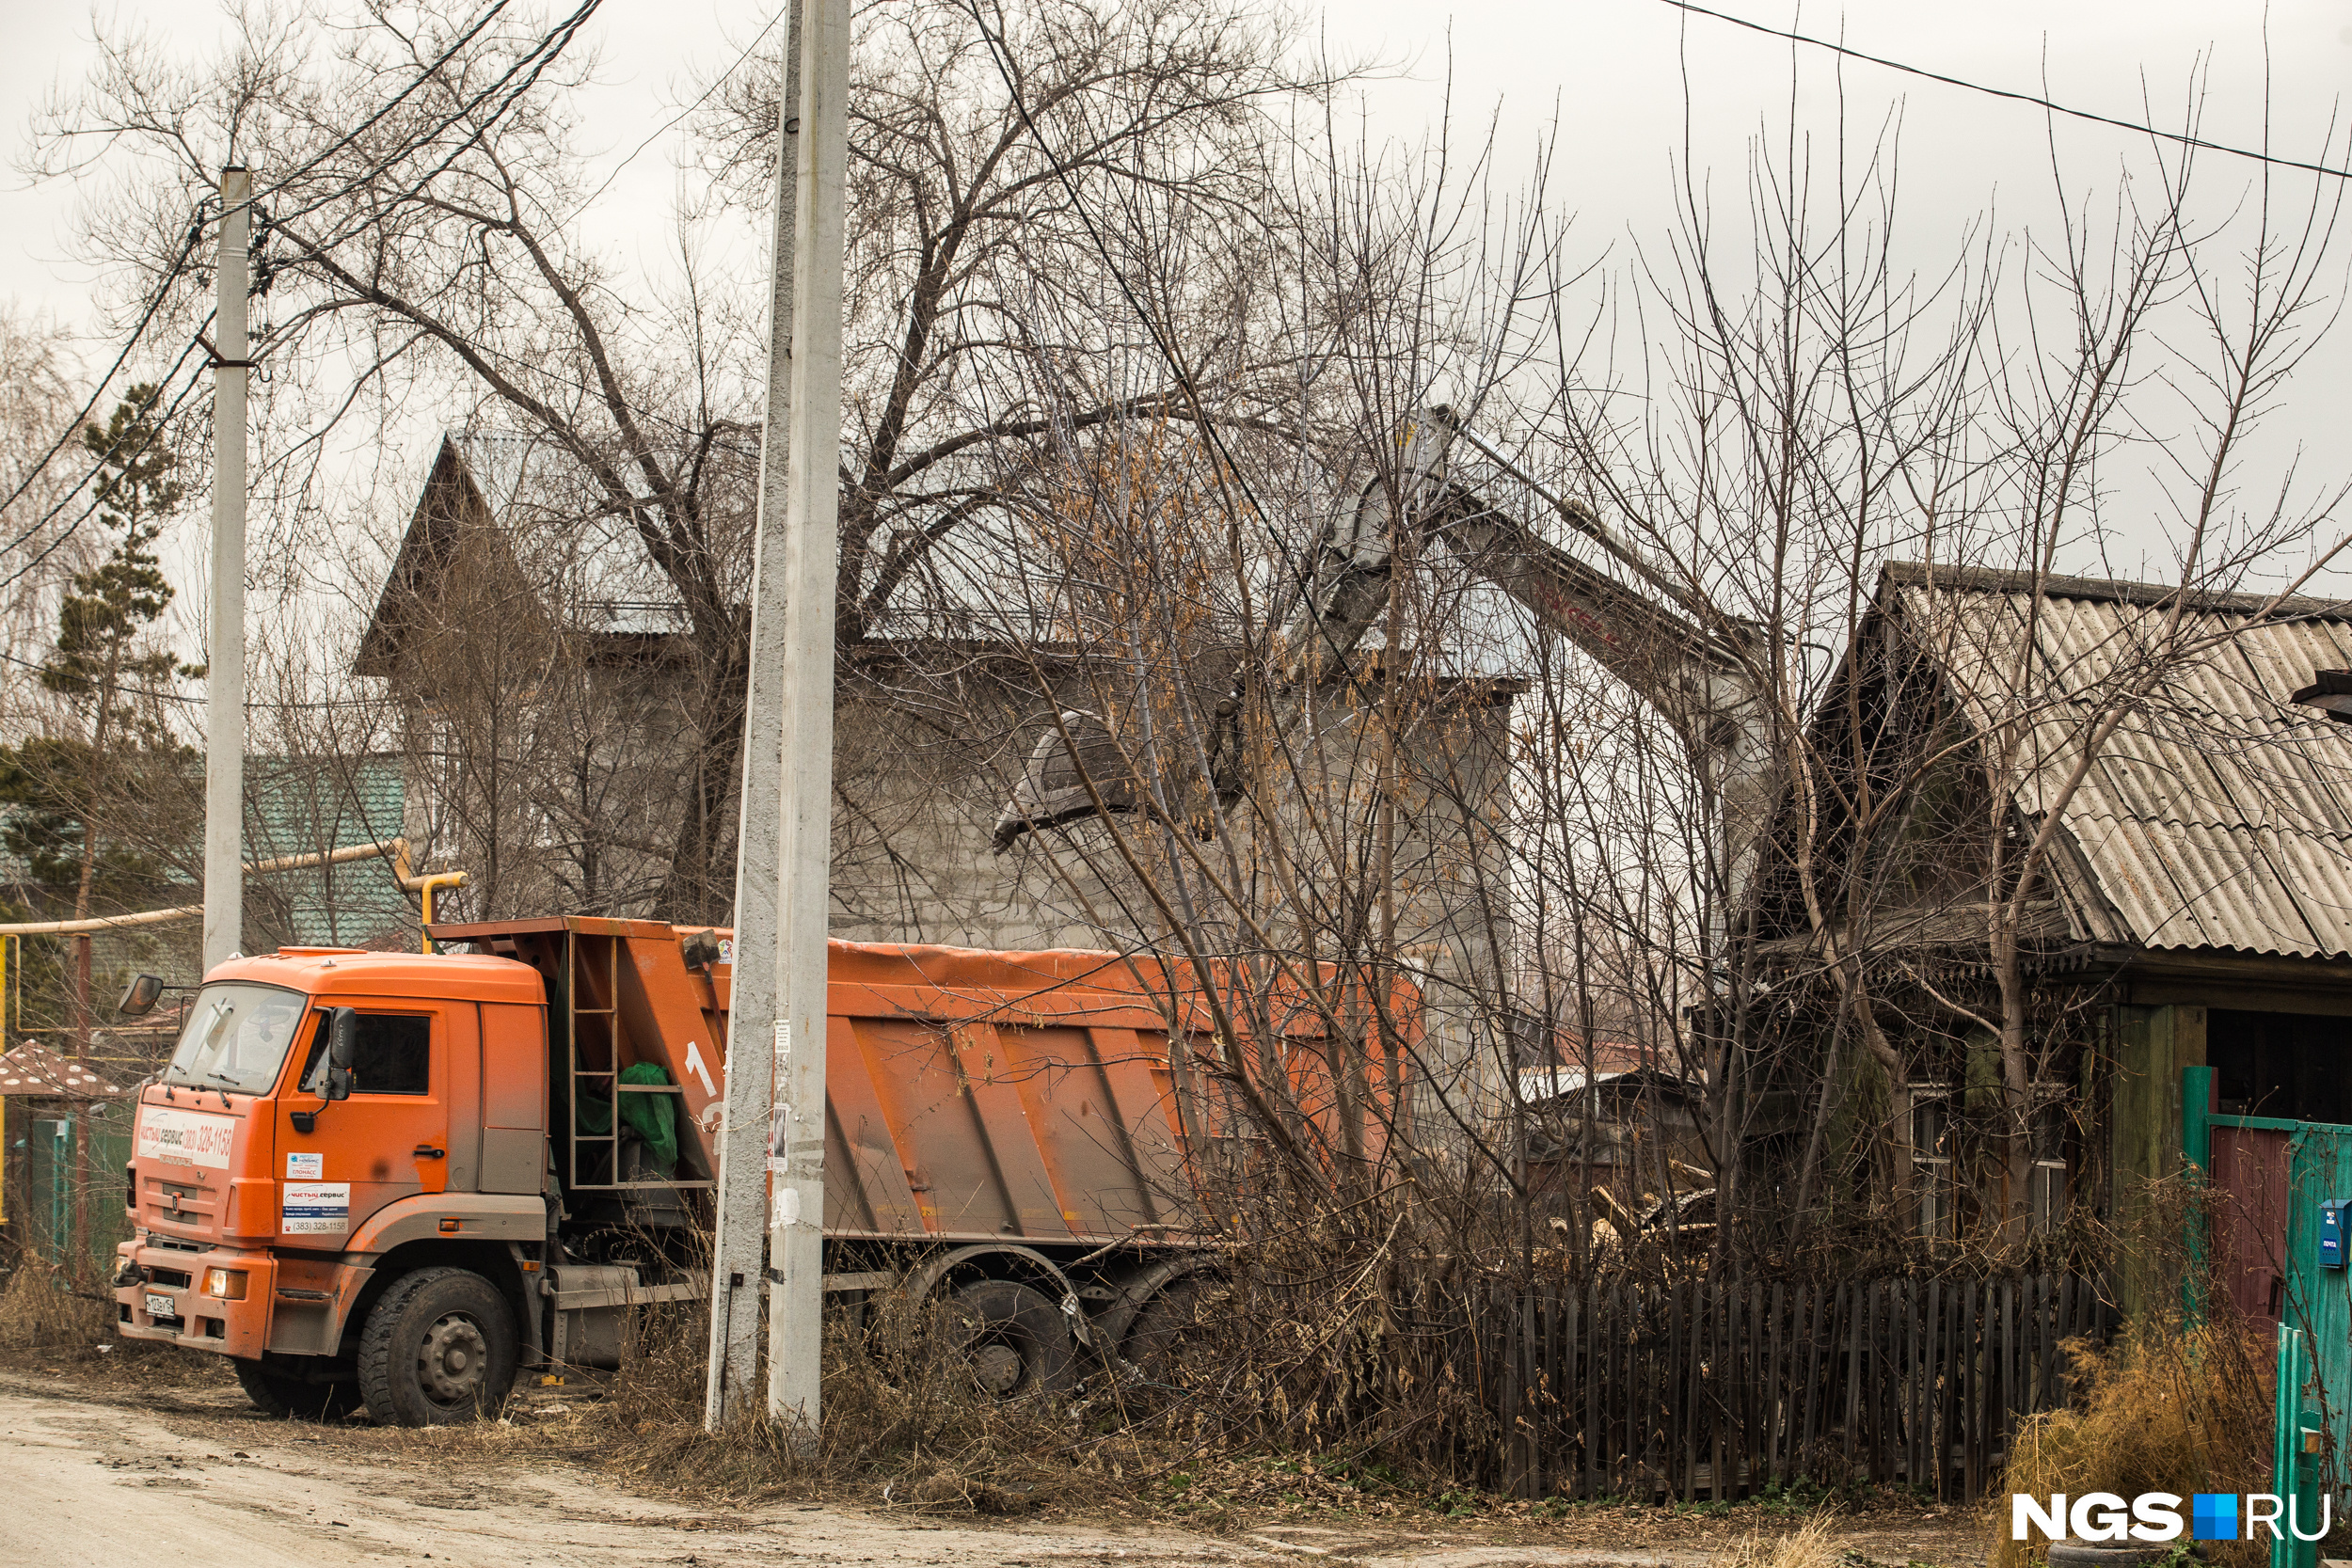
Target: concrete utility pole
column 224, row 686
column 740, row 1249
column 796, row 1138
column 773, row 1142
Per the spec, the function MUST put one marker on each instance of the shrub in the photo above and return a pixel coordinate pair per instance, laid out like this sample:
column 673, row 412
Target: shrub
column 2166, row 1407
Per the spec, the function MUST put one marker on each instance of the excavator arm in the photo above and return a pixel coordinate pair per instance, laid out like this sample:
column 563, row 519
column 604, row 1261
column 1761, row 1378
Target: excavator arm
column 1651, row 641
column 1669, row 645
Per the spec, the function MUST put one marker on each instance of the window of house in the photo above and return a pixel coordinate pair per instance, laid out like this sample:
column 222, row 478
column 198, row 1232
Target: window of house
column 1931, row 1140
column 392, row 1055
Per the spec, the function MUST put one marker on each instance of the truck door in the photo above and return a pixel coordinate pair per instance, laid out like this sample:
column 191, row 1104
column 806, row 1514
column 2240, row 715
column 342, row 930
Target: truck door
column 390, row 1139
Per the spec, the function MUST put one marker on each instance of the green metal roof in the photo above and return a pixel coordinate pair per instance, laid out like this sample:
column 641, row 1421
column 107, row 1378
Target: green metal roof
column 303, row 805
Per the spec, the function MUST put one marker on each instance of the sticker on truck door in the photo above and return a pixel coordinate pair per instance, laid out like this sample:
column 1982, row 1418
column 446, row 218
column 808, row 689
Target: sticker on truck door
column 184, row 1138
column 316, row 1209
column 309, row 1166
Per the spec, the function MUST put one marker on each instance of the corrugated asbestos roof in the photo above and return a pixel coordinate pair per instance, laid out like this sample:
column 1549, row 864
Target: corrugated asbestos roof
column 2219, row 813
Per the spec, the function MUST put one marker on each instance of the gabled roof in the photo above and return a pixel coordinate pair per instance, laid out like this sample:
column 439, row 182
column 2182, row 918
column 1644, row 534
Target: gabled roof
column 2219, row 813
column 592, row 572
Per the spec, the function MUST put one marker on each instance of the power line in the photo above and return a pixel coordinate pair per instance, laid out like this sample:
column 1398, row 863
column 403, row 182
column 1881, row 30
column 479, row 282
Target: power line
column 42, row 521
column 2035, row 99
column 537, row 57
column 195, row 237
column 672, row 124
column 551, row 44
column 74, row 426
column 393, row 102
column 309, row 706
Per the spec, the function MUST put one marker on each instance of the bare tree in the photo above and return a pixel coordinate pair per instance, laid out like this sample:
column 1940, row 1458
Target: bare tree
column 1817, row 413
column 40, row 466
column 429, row 256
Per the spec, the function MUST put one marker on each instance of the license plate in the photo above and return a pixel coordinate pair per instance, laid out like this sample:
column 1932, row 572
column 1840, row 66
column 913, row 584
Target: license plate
column 162, row 1306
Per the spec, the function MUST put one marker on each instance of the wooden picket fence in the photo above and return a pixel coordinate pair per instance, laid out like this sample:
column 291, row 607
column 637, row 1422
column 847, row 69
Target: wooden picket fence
column 1720, row 1387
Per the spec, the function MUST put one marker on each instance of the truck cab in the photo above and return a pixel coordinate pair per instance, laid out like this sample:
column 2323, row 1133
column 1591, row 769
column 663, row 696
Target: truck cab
column 274, row 1195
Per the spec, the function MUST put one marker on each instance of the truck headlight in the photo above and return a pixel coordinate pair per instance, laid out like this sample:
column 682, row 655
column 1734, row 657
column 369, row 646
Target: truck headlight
column 227, row 1284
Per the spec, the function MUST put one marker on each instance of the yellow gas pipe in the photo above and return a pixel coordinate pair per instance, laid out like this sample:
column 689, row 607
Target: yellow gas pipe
column 424, row 887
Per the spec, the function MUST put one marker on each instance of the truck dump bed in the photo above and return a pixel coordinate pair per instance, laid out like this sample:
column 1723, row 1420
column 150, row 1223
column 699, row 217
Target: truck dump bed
column 970, row 1095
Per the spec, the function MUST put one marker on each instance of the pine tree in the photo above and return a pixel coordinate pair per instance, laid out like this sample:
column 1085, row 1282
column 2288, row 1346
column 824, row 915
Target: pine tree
column 113, row 679
column 105, row 617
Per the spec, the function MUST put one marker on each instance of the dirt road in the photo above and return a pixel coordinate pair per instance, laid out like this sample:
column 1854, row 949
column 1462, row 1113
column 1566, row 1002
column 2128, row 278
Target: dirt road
column 87, row 1477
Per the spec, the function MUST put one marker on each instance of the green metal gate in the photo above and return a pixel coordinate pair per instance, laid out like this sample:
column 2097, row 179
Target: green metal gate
column 2269, row 1177
column 46, row 1222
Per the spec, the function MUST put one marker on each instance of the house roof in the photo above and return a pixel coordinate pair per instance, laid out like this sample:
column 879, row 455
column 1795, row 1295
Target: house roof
column 295, row 806
column 2219, row 814
column 588, row 564
column 301, row 805
column 533, row 486
column 34, row 1070
column 1597, row 1063
column 1537, row 1084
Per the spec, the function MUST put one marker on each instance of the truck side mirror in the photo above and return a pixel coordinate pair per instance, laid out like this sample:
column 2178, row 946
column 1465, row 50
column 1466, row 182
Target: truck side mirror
column 139, row 996
column 342, row 1049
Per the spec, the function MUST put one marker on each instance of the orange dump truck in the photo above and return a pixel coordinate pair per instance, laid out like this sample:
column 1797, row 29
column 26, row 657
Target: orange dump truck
column 400, row 1178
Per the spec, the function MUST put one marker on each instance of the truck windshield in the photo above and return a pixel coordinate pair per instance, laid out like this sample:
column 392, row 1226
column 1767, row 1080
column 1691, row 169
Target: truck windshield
column 237, row 1038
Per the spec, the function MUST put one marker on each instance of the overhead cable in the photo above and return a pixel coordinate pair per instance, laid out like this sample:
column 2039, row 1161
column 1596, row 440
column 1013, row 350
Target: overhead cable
column 2036, row 100
column 74, row 426
column 537, row 57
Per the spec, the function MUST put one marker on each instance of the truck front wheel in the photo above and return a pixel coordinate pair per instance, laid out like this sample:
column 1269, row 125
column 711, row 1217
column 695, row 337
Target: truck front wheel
column 437, row 1348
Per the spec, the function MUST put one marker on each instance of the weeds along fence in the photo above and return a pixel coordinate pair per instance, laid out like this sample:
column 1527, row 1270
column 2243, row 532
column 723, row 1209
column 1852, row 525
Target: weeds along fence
column 1721, row 1388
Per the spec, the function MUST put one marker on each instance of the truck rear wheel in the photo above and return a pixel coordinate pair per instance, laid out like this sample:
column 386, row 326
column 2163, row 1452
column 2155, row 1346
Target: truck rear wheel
column 1015, row 1339
column 1166, row 1328
column 437, row 1348
column 290, row 1396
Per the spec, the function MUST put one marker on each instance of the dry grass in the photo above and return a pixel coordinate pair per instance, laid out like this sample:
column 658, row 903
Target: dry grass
column 43, row 1309
column 49, row 1321
column 1811, row 1545
column 2166, row 1407
column 905, row 1425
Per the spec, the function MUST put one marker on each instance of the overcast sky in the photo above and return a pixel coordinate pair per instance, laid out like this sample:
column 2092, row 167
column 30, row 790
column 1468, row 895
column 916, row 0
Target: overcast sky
column 1619, row 75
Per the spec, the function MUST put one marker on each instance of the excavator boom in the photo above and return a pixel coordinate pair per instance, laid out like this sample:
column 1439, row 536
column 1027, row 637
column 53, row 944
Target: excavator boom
column 1658, row 636
column 1671, row 645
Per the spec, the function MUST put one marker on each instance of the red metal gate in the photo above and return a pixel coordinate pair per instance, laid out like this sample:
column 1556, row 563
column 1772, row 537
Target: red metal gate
column 2249, row 1217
